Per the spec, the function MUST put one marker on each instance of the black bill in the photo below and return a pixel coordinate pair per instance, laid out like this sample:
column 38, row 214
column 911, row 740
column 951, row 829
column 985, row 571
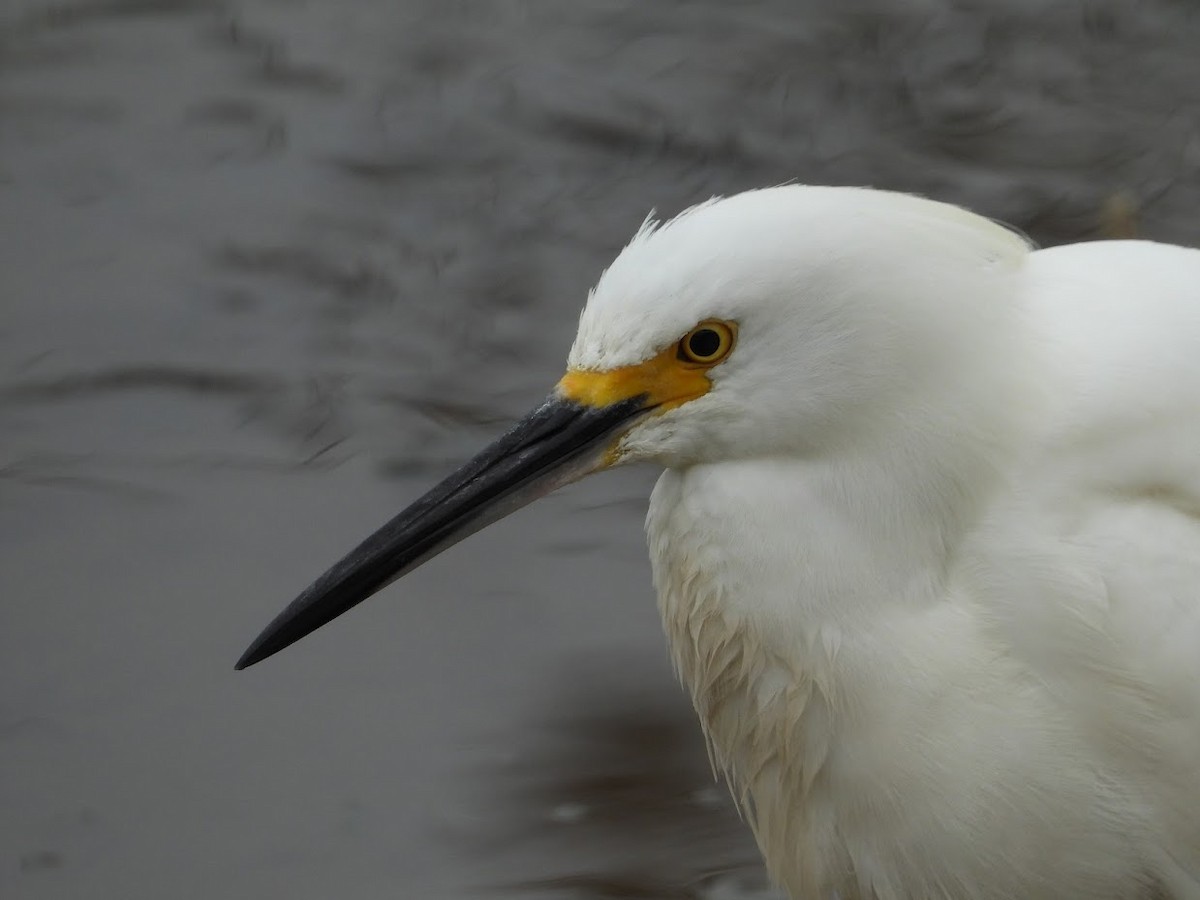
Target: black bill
column 557, row 443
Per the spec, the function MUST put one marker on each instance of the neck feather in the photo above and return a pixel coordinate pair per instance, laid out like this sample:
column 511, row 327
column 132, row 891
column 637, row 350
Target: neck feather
column 776, row 579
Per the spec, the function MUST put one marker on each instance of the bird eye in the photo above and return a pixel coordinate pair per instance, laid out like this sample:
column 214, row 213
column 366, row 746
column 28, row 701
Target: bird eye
column 707, row 343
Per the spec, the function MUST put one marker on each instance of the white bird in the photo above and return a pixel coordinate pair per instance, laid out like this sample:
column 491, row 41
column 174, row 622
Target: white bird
column 927, row 545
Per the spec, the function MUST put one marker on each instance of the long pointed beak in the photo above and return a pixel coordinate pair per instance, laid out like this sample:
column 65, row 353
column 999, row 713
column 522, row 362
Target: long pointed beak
column 557, row 443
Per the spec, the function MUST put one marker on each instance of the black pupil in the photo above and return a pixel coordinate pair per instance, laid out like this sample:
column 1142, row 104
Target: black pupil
column 704, row 343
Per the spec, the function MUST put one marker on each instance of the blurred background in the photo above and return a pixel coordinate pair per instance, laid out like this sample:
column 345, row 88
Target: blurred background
column 269, row 268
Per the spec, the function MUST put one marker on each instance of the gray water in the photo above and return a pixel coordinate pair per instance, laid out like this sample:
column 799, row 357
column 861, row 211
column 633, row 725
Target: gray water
column 268, row 268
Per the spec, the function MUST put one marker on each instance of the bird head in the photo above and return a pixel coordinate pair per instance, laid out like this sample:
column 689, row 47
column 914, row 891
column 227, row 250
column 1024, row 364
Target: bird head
column 792, row 320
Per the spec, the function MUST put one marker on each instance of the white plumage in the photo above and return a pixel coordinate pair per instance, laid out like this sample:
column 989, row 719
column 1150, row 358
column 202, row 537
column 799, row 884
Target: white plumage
column 927, row 548
column 928, row 552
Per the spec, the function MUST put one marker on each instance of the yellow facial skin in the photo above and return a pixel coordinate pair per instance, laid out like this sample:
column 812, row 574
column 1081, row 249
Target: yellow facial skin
column 668, row 380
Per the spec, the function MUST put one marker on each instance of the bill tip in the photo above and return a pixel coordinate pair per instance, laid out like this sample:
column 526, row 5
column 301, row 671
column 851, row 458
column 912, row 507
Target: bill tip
column 254, row 654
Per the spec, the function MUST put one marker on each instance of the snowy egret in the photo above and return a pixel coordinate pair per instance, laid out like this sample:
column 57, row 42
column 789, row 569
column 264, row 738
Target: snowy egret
column 927, row 545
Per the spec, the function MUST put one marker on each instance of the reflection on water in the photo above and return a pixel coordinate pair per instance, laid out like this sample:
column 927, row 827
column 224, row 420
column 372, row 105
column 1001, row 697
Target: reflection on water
column 613, row 795
column 269, row 267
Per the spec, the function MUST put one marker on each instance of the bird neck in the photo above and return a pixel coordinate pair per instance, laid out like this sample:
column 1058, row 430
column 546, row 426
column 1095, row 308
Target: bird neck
column 794, row 547
column 782, row 584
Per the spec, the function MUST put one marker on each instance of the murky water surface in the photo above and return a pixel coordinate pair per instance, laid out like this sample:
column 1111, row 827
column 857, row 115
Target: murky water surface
column 270, row 267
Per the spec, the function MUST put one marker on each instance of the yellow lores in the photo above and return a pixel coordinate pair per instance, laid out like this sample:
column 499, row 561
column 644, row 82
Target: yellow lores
column 676, row 375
